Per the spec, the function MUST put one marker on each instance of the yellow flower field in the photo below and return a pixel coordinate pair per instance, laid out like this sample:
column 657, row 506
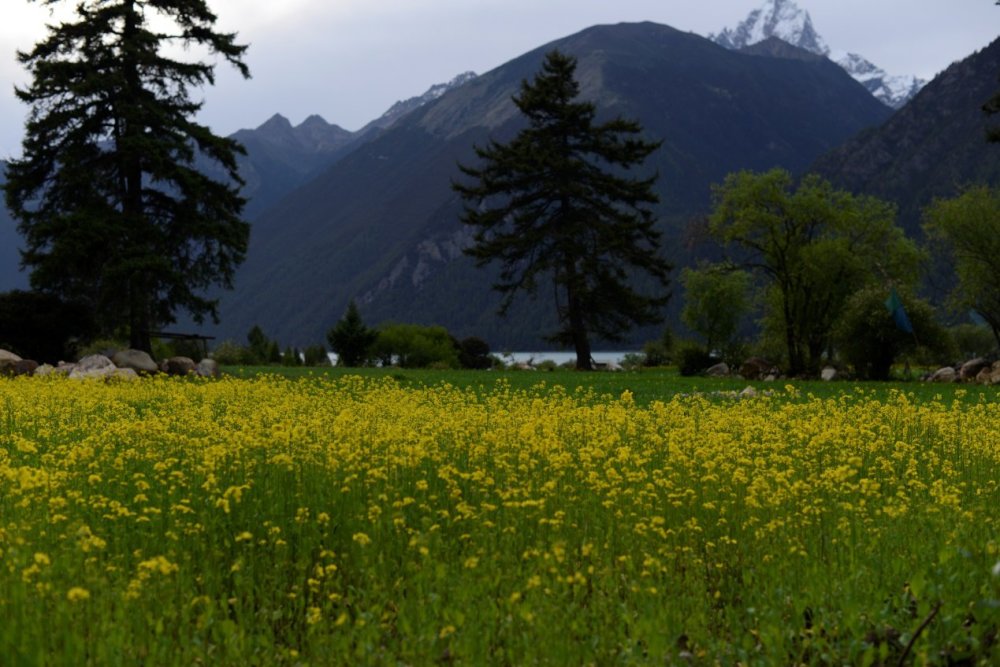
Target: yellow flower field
column 348, row 521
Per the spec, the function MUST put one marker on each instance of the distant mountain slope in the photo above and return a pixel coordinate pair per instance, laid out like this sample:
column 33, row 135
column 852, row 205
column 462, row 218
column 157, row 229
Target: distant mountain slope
column 381, row 225
column 787, row 21
column 930, row 148
column 281, row 157
column 10, row 241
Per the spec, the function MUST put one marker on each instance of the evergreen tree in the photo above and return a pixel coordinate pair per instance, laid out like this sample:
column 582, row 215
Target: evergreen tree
column 350, row 339
column 112, row 209
column 551, row 203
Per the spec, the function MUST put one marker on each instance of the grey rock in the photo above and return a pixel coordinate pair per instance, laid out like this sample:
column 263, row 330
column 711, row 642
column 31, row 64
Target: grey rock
column 755, row 368
column 828, row 373
column 94, row 362
column 44, row 370
column 946, row 374
column 178, row 366
column 970, row 369
column 718, row 370
column 25, row 367
column 208, row 368
column 137, row 360
column 6, row 355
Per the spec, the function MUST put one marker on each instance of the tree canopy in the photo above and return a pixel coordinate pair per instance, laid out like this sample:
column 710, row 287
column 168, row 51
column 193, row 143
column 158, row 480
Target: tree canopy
column 967, row 229
column 814, row 246
column 553, row 204
column 112, row 209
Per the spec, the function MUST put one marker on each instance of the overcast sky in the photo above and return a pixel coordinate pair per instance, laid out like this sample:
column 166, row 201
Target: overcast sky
column 349, row 60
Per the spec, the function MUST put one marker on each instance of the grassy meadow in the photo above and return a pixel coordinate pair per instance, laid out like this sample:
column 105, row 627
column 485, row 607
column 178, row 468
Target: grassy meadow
column 477, row 518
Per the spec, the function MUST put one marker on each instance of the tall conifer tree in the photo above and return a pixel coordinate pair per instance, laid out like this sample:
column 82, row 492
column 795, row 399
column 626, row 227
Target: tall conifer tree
column 107, row 196
column 553, row 203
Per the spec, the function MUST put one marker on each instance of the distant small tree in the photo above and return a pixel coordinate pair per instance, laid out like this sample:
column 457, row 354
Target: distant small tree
column 474, row 353
column 258, row 346
column 229, row 353
column 350, row 339
column 315, row 355
column 415, row 346
column 716, row 299
column 659, row 352
column 290, row 357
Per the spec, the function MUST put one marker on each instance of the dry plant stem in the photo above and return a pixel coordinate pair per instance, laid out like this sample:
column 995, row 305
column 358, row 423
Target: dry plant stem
column 913, row 639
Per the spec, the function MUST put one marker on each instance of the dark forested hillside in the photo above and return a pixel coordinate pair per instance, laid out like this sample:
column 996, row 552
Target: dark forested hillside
column 932, row 147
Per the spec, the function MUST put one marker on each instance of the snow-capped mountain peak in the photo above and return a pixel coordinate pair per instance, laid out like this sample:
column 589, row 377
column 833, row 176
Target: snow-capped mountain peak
column 433, row 93
column 787, row 21
column 777, row 18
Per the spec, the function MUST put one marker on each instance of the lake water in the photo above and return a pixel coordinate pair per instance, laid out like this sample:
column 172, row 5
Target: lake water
column 562, row 357
column 537, row 357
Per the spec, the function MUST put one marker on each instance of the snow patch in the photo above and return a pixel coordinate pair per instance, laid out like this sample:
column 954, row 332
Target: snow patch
column 787, row 21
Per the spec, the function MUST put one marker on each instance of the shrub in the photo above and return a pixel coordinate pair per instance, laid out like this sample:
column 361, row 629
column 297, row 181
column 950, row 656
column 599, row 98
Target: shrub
column 474, row 353
column 973, row 340
column 229, row 353
column 870, row 339
column 105, row 346
column 415, row 346
column 692, row 358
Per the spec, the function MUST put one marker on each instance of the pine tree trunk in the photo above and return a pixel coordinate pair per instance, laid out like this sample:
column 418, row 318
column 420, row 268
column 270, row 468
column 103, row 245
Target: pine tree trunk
column 132, row 204
column 578, row 332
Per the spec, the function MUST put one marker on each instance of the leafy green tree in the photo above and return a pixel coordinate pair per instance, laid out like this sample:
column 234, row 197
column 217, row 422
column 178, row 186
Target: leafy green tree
column 813, row 246
column 107, row 196
column 416, row 346
column 350, row 339
column 716, row 299
column 871, row 340
column 967, row 229
column 552, row 204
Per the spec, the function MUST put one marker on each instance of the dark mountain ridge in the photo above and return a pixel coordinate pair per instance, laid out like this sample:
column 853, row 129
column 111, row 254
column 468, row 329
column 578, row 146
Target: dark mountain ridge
column 933, row 147
column 381, row 225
